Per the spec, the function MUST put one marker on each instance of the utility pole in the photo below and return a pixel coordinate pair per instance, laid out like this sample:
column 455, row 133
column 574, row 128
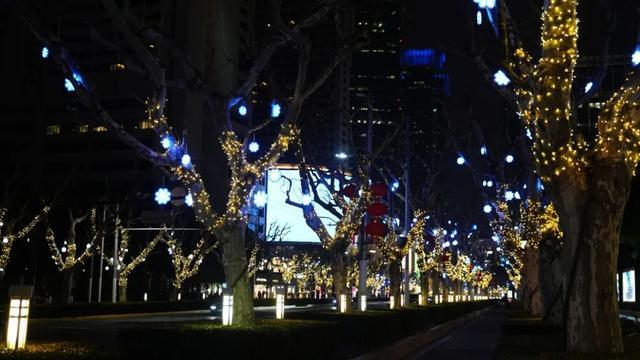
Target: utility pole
column 104, row 230
column 362, row 286
column 114, row 285
column 407, row 214
column 90, row 277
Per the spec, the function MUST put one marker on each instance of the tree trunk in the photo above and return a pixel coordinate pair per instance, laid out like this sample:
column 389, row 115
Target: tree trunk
column 339, row 274
column 550, row 280
column 424, row 287
column 436, row 285
column 122, row 293
column 173, row 293
column 531, row 295
column 234, row 261
column 593, row 323
column 67, row 286
column 395, row 281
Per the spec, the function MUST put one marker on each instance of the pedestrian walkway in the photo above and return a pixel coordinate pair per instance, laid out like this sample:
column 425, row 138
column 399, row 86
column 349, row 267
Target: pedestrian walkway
column 477, row 340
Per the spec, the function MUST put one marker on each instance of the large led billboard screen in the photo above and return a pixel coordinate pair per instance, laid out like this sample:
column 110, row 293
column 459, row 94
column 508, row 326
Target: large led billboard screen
column 279, row 213
column 629, row 286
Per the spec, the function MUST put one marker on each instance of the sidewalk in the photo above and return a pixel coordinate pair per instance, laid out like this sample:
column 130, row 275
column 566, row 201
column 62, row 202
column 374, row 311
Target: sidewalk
column 477, row 340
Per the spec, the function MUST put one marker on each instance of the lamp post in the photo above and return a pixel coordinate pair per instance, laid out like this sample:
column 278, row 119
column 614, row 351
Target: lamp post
column 20, row 297
column 280, row 302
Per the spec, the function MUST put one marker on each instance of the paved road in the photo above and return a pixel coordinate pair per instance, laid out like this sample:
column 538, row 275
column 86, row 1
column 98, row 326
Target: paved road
column 476, row 341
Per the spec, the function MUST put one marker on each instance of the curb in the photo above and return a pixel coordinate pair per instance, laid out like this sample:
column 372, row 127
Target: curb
column 406, row 347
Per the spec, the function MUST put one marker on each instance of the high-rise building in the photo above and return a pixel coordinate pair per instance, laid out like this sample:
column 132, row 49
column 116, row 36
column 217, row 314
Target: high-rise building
column 49, row 134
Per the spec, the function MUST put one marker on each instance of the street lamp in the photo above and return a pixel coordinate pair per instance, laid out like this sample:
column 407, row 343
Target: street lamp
column 280, row 302
column 227, row 306
column 19, row 296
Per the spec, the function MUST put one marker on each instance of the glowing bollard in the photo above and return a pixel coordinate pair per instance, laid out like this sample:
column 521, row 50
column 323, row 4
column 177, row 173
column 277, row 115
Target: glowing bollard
column 179, row 296
column 18, row 316
column 343, row 303
column 363, row 302
column 227, row 307
column 145, row 297
column 392, row 302
column 280, row 302
column 420, row 299
column 401, row 300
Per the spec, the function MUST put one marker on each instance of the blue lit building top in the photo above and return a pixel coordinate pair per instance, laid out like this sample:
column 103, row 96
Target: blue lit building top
column 423, row 57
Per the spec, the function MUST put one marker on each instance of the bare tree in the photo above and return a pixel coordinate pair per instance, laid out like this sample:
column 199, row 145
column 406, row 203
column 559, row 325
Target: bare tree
column 125, row 262
column 185, row 265
column 9, row 235
column 67, row 256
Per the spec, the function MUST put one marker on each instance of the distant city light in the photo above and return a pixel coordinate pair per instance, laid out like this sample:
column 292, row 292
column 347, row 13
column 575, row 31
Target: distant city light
column 254, row 147
column 588, row 87
column 501, row 78
column 45, row 52
column 188, row 200
column 260, row 199
column 186, row 160
column 341, row 155
column 242, row 110
column 69, row 85
column 509, row 159
column 460, row 160
column 275, row 109
column 163, row 196
column 487, row 209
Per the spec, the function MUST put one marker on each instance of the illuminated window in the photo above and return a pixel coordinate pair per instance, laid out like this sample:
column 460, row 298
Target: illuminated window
column 100, row 129
column 83, row 129
column 117, row 67
column 146, row 124
column 53, row 130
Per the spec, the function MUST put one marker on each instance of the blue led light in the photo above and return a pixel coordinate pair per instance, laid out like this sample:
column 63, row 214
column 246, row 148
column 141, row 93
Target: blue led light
column 254, row 147
column 275, row 109
column 186, row 160
column 501, row 78
column 635, row 58
column 68, row 85
column 45, row 52
column 188, row 200
column 460, row 160
column 166, row 142
column 242, row 110
column 163, row 196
